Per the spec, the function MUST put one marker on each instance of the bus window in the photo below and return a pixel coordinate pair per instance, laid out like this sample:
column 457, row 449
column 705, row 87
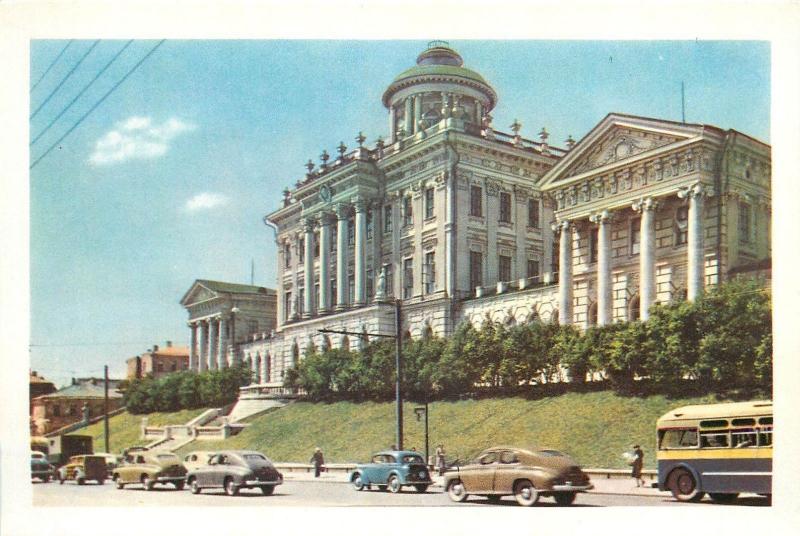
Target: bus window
column 765, row 420
column 717, row 423
column 713, row 439
column 677, row 439
column 743, row 438
column 743, row 422
column 765, row 437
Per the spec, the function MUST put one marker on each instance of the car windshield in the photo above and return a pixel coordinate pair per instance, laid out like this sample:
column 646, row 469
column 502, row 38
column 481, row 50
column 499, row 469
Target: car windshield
column 167, row 458
column 412, row 458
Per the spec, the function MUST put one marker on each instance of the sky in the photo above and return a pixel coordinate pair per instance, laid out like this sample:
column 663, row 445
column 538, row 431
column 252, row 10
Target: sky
column 169, row 178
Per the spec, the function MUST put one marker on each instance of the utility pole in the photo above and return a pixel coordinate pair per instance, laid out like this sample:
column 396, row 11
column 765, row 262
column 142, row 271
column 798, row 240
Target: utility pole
column 398, row 340
column 105, row 408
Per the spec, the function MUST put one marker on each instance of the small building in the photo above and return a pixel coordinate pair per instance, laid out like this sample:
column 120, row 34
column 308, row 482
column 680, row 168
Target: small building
column 39, row 386
column 83, row 399
column 158, row 361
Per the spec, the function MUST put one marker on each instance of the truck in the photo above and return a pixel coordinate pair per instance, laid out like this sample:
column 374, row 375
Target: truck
column 61, row 448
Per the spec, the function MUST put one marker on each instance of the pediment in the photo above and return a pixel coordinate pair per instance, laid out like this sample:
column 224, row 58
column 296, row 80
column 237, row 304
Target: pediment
column 619, row 138
column 198, row 293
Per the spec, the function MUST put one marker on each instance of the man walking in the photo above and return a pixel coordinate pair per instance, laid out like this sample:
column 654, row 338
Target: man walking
column 318, row 461
column 636, row 466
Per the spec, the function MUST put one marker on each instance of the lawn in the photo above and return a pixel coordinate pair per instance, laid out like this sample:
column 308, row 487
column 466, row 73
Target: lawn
column 595, row 428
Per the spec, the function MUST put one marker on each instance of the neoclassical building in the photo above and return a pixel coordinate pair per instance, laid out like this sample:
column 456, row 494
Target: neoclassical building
column 460, row 222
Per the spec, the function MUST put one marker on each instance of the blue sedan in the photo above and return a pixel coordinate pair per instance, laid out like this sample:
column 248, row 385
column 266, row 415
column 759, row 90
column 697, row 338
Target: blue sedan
column 392, row 469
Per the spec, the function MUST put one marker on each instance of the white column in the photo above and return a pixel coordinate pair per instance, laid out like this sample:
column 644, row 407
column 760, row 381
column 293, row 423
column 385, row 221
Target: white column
column 203, row 365
column 417, row 112
column 294, row 304
column 565, row 273
column 308, row 272
column 264, row 368
column 325, row 221
column 519, row 202
column 213, row 329
column 392, row 126
column 695, row 267
column 342, row 212
column 408, row 117
column 361, row 252
column 222, row 347
column 647, row 255
column 603, row 221
column 193, row 364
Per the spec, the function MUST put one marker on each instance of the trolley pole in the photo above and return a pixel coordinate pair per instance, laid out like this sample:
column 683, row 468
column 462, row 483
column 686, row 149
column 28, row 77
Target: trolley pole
column 105, row 408
column 398, row 324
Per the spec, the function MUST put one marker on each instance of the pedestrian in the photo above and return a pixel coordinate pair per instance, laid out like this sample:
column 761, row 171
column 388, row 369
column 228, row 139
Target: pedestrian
column 318, row 461
column 441, row 464
column 636, row 466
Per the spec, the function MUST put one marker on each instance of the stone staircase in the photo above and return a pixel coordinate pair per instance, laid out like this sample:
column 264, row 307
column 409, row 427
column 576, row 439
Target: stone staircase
column 249, row 407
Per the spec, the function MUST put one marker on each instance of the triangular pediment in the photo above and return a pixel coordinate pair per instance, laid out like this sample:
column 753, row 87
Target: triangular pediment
column 198, row 293
column 619, row 138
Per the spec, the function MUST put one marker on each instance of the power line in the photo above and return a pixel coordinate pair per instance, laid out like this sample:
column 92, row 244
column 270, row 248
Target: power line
column 98, row 103
column 118, row 343
column 64, row 79
column 51, row 65
column 81, row 92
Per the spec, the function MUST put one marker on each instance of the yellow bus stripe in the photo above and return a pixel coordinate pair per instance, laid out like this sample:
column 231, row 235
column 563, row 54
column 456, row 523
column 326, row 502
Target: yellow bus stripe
column 711, row 454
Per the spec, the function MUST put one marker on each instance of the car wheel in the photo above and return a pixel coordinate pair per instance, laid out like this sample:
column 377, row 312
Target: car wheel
column 421, row 488
column 81, row 481
column 230, row 487
column 267, row 490
column 195, row 489
column 394, row 484
column 179, row 485
column 525, row 493
column 357, row 481
column 147, row 482
column 456, row 491
column 723, row 497
column 118, row 481
column 683, row 486
column 565, row 499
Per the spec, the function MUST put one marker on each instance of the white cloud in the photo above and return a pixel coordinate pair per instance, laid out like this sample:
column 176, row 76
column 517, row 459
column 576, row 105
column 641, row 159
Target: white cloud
column 137, row 137
column 205, row 201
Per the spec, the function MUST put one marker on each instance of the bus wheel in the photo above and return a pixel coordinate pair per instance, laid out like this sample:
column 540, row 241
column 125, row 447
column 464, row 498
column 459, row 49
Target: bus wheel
column 683, row 486
column 723, row 497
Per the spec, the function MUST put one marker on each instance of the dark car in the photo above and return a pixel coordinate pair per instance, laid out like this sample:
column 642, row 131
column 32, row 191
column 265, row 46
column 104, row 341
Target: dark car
column 40, row 468
column 82, row 468
column 527, row 474
column 233, row 470
column 392, row 469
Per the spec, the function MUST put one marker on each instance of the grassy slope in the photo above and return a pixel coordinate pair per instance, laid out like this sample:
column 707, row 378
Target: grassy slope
column 125, row 428
column 595, row 428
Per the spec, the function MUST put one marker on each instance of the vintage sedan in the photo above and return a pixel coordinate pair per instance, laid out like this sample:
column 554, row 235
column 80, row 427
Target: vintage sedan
column 148, row 468
column 233, row 470
column 196, row 459
column 40, row 468
column 392, row 469
column 525, row 474
column 82, row 468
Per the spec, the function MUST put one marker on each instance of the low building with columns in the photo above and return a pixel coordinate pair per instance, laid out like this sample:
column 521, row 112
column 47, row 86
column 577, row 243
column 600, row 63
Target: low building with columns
column 222, row 315
column 460, row 222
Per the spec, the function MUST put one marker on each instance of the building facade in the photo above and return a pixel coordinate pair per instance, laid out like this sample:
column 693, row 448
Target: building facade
column 460, row 222
column 158, row 361
column 83, row 399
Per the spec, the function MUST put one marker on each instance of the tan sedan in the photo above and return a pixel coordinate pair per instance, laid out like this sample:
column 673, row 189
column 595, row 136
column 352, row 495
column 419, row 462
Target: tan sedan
column 525, row 474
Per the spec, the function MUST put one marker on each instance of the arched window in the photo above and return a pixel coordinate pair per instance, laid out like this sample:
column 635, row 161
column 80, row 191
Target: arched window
column 257, row 369
column 511, row 321
column 295, row 353
column 534, row 317
column 591, row 319
column 554, row 316
column 326, row 343
column 633, row 309
column 427, row 331
column 310, row 347
column 345, row 343
column 267, row 372
column 364, row 338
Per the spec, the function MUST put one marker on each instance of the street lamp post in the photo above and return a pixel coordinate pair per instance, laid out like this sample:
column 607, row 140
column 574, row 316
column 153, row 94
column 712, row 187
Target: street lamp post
column 420, row 411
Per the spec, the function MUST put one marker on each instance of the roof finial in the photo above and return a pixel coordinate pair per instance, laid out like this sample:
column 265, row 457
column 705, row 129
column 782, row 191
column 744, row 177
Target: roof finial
column 570, row 142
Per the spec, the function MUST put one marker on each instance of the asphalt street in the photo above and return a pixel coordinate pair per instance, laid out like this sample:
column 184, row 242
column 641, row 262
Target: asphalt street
column 305, row 493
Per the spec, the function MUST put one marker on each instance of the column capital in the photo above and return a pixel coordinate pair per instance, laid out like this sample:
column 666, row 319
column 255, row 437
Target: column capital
column 696, row 190
column 561, row 225
column 360, row 204
column 601, row 217
column 308, row 224
column 644, row 204
column 342, row 211
column 326, row 218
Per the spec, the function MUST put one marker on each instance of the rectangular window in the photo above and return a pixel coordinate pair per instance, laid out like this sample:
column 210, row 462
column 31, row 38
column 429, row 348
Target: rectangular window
column 429, row 272
column 475, row 269
column 300, row 300
column 387, row 270
column 408, row 211
column 593, row 245
column 351, row 232
column 636, row 227
column 387, row 218
column 316, row 294
column 681, row 225
column 316, row 245
column 476, row 201
column 287, row 305
column 744, row 223
column 533, row 213
column 334, row 293
column 287, row 256
column 370, row 285
column 333, row 239
column 301, row 250
column 677, row 439
column 429, row 203
column 351, row 288
column 533, row 268
column 504, row 269
column 505, row 207
column 556, row 257
column 369, row 224
column 408, row 278
column 714, row 439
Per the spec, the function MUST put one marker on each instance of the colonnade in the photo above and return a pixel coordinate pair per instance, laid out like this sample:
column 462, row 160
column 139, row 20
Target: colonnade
column 209, row 351
column 647, row 276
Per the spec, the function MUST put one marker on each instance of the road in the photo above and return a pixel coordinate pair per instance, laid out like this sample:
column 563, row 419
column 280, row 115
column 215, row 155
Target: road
column 300, row 493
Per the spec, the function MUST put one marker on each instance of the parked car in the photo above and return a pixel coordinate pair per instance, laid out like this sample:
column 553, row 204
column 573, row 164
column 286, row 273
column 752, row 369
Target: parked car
column 392, row 469
column 148, row 468
column 525, row 474
column 199, row 458
column 40, row 468
column 82, row 468
column 233, row 470
column 112, row 461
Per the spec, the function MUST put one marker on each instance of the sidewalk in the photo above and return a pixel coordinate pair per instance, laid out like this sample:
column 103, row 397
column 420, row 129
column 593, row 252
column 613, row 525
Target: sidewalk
column 603, row 485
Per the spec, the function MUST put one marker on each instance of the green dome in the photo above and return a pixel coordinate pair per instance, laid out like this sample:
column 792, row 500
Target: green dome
column 439, row 63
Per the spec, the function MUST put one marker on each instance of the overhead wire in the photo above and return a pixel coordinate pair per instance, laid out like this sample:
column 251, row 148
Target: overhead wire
column 51, row 65
column 98, row 103
column 63, row 80
column 99, row 74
